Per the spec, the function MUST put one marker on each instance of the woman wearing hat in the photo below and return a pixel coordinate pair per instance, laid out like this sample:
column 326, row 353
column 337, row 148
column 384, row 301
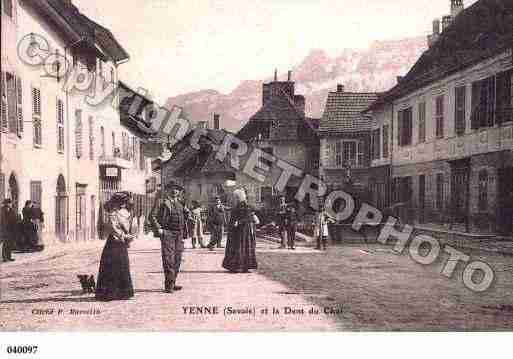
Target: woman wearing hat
column 114, row 280
column 240, row 254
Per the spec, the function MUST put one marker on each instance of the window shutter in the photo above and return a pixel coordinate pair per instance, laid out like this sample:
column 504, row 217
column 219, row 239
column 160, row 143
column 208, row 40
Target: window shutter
column 19, row 101
column 3, row 119
column 78, row 133
column 399, row 127
column 476, row 99
column 36, row 101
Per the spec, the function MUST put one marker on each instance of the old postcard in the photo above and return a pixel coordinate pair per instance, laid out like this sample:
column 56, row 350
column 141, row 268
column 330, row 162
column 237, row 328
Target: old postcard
column 256, row 166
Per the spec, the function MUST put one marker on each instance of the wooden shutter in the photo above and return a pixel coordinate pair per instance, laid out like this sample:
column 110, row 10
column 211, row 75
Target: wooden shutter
column 12, row 115
column 78, row 133
column 19, row 105
column 476, row 99
column 400, row 116
column 3, row 120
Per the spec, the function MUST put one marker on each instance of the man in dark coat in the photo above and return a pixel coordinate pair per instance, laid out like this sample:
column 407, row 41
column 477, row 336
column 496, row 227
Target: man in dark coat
column 292, row 219
column 9, row 228
column 216, row 222
column 169, row 222
column 282, row 220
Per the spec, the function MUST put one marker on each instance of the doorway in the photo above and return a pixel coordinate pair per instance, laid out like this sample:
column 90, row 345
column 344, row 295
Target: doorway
column 505, row 202
column 14, row 192
column 61, row 209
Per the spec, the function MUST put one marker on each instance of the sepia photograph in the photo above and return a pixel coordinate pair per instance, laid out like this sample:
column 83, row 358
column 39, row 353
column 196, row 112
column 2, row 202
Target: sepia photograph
column 223, row 166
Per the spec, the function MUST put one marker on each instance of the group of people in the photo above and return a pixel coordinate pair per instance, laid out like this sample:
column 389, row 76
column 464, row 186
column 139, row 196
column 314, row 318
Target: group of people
column 216, row 221
column 22, row 232
column 172, row 223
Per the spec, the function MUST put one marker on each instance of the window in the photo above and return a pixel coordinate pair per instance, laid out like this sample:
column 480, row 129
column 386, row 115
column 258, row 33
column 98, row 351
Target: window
column 404, row 130
column 19, row 106
column 483, row 103
column 422, row 122
column 483, row 190
column 440, row 191
column 78, row 133
column 11, row 102
column 36, row 116
column 91, row 138
column 459, row 115
column 270, row 151
column 36, row 191
column 142, row 159
column 102, row 141
column 60, row 126
column 115, row 150
column 439, row 116
column 359, row 154
column 338, row 153
column 7, row 7
column 385, row 141
column 266, row 194
column 134, row 149
column 349, row 153
column 504, row 110
column 376, row 144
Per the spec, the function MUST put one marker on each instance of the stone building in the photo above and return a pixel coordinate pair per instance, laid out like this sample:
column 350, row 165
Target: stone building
column 281, row 128
column 345, row 138
column 54, row 146
column 451, row 121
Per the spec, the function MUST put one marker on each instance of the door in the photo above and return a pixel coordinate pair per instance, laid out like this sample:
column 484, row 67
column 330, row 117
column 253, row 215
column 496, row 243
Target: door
column 505, row 203
column 80, row 213
column 61, row 209
column 93, row 217
column 14, row 193
column 422, row 197
column 459, row 189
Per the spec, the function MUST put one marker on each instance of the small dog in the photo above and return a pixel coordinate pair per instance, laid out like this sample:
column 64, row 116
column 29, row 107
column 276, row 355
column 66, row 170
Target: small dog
column 87, row 282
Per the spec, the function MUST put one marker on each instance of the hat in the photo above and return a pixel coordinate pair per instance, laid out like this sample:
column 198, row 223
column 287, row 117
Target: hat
column 118, row 199
column 173, row 185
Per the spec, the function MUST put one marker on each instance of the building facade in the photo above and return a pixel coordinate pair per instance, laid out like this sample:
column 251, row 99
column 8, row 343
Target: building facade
column 55, row 145
column 345, row 139
column 452, row 122
column 281, row 128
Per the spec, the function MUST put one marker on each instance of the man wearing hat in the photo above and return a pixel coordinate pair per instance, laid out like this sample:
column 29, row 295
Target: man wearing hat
column 9, row 224
column 216, row 221
column 282, row 220
column 169, row 222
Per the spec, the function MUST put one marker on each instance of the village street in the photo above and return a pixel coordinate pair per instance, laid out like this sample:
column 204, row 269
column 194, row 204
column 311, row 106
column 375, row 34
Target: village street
column 361, row 287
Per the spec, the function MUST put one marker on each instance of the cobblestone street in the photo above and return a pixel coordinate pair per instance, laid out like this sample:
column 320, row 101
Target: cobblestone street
column 374, row 288
column 31, row 286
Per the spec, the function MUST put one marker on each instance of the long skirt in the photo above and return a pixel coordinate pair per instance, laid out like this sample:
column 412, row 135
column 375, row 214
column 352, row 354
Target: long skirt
column 114, row 280
column 240, row 253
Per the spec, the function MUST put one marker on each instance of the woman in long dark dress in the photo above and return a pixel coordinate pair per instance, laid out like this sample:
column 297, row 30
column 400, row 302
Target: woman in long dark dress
column 114, row 280
column 240, row 254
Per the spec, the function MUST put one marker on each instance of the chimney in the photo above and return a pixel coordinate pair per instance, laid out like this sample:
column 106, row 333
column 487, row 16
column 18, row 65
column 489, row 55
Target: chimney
column 456, row 7
column 436, row 27
column 340, row 88
column 446, row 22
column 289, row 76
column 275, row 74
column 216, row 121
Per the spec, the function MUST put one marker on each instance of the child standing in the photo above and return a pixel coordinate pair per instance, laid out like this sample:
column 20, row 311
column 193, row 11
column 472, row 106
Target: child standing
column 323, row 219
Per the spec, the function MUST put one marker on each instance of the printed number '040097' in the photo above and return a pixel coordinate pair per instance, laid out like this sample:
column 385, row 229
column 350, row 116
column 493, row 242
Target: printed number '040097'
column 22, row 349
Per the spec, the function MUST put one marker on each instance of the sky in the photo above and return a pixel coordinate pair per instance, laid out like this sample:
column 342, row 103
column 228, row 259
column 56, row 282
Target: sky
column 179, row 46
